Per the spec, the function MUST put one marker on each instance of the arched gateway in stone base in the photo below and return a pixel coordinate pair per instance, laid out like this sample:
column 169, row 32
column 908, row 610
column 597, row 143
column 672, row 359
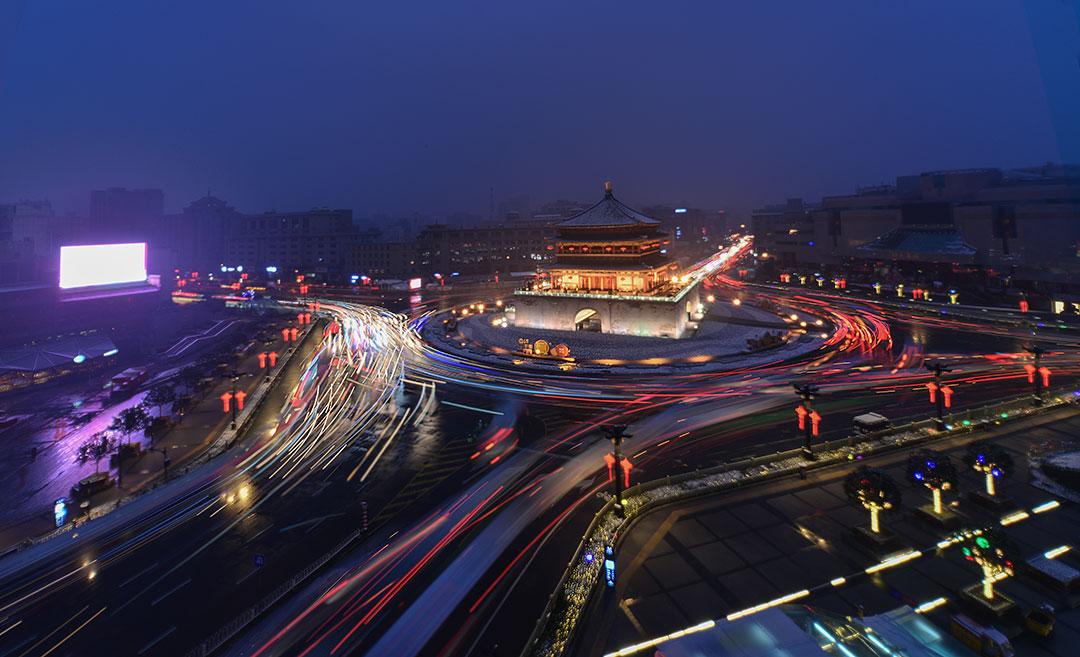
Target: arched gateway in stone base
column 588, row 319
column 611, row 274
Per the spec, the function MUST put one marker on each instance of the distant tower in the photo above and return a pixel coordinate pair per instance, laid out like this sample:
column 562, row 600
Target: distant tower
column 491, row 200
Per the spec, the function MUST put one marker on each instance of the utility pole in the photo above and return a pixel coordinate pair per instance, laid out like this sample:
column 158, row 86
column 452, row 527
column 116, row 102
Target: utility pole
column 940, row 395
column 616, row 434
column 809, row 419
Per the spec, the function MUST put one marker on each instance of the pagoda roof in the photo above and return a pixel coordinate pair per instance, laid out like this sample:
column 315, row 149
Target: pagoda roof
column 609, row 212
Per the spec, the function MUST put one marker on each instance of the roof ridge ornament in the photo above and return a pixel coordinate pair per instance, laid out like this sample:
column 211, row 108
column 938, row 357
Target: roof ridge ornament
column 608, row 187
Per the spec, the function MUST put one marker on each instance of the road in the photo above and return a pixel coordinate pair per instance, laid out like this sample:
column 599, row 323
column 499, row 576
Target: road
column 679, row 420
column 460, row 471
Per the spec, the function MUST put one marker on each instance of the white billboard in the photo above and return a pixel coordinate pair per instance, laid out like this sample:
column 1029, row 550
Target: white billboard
column 95, row 265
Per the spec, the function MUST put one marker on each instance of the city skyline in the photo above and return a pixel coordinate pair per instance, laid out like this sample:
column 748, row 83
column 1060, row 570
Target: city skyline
column 396, row 111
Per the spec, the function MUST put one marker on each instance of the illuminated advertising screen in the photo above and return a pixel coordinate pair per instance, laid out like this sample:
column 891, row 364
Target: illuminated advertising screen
column 95, row 265
column 415, row 283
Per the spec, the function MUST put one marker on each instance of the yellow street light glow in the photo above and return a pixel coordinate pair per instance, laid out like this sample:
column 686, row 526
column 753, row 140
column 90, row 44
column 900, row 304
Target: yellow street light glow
column 645, row 645
column 794, row 317
column 930, row 606
column 245, row 492
column 839, row 581
column 1056, row 552
column 736, row 302
column 1046, row 506
column 892, row 562
column 1014, row 518
column 768, row 605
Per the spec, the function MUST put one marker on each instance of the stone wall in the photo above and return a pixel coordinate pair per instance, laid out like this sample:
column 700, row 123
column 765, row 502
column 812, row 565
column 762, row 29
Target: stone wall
column 618, row 316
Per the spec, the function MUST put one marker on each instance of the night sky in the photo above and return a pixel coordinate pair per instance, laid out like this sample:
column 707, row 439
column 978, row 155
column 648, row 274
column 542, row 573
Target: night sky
column 403, row 106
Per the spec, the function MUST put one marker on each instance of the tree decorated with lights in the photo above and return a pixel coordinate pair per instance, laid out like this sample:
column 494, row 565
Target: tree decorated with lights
column 990, row 460
column 933, row 470
column 990, row 549
column 874, row 490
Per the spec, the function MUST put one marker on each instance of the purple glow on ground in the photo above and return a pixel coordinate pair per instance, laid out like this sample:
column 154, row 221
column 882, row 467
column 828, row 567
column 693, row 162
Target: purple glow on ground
column 102, row 264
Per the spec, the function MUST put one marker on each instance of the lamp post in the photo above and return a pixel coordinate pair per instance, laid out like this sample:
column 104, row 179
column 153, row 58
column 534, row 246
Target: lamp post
column 235, row 398
column 1038, row 376
column 164, row 459
column 616, row 434
column 805, row 412
column 940, row 395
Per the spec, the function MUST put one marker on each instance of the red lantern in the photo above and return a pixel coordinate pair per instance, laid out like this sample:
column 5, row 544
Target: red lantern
column 273, row 358
column 626, row 468
column 932, row 388
column 225, row 398
column 947, row 391
column 815, row 421
column 1024, row 305
column 1045, row 372
column 285, row 335
column 240, row 394
column 293, row 333
column 801, row 413
column 262, row 360
column 1030, row 369
column 610, row 461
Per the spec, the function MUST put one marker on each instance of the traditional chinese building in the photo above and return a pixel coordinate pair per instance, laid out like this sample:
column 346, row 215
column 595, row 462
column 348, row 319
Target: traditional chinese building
column 612, row 274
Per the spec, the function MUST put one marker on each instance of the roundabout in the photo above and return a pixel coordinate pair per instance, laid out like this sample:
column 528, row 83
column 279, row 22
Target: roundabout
column 728, row 336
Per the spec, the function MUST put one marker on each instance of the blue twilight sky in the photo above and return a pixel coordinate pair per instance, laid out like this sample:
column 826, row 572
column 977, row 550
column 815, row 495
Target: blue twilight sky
column 423, row 105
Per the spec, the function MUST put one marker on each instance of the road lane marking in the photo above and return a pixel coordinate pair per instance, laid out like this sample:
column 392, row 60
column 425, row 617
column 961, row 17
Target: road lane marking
column 171, row 591
column 138, row 575
column 157, row 640
column 74, row 632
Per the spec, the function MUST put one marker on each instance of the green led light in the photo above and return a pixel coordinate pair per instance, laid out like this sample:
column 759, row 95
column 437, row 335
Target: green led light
column 966, row 423
column 1004, row 415
column 982, row 542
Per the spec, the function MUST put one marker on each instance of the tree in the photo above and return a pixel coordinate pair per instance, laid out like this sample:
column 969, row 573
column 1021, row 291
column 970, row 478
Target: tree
column 160, row 395
column 933, row 470
column 130, row 420
column 874, row 490
column 990, row 460
column 94, row 449
column 991, row 550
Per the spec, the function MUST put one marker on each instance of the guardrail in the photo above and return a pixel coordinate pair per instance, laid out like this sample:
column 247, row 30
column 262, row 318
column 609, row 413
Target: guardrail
column 228, row 631
column 555, row 629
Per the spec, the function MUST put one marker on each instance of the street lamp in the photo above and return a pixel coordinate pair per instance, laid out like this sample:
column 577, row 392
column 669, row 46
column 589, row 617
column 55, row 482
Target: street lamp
column 164, row 459
column 618, row 465
column 1038, row 376
column 806, row 412
column 940, row 395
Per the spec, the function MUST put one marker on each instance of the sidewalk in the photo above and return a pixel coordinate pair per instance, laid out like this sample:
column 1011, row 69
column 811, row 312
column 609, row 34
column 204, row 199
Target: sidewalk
column 710, row 556
column 197, row 429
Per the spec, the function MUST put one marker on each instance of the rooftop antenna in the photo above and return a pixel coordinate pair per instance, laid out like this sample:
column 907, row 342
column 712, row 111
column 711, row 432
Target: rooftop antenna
column 491, row 200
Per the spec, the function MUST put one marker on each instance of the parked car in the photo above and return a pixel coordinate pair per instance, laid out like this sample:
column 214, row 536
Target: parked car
column 1040, row 620
column 92, row 485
